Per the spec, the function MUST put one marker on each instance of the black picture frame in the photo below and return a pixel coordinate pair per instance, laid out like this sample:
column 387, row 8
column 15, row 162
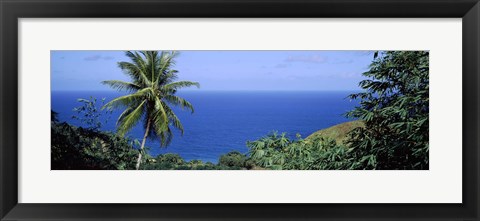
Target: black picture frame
column 12, row 10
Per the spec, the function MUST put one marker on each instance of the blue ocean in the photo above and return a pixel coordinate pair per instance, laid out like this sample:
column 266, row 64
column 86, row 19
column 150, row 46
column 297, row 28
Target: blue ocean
column 224, row 121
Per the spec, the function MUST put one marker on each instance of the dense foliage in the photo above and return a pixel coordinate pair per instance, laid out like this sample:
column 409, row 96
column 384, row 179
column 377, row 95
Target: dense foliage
column 235, row 160
column 395, row 108
column 276, row 151
column 79, row 148
column 170, row 161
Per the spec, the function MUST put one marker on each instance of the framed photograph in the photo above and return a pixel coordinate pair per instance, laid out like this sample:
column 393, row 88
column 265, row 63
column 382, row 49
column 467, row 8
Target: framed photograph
column 251, row 110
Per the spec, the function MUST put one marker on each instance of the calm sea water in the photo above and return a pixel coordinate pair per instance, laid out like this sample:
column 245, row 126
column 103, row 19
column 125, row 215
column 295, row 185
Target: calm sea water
column 225, row 121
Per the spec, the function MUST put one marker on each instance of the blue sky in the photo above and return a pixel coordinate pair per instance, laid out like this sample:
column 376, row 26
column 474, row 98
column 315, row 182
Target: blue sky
column 222, row 70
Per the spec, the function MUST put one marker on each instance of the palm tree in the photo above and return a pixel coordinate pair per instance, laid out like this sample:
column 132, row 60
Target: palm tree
column 152, row 92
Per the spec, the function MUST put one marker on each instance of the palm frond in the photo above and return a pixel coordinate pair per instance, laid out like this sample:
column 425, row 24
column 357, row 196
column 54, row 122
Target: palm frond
column 150, row 63
column 126, row 112
column 181, row 84
column 178, row 101
column 166, row 137
column 130, row 120
column 164, row 71
column 162, row 129
column 160, row 117
column 174, row 119
column 137, row 59
column 127, row 100
column 135, row 72
column 121, row 85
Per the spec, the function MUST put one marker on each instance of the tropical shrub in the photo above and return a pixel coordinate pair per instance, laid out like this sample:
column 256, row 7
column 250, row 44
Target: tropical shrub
column 269, row 151
column 170, row 161
column 233, row 159
column 326, row 154
column 278, row 152
column 90, row 115
column 395, row 108
column 76, row 148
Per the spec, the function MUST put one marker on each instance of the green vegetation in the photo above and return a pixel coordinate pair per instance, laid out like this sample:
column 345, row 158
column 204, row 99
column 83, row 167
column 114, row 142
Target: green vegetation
column 89, row 114
column 277, row 152
column 392, row 132
column 235, row 159
column 172, row 161
column 389, row 130
column 152, row 89
column 395, row 109
column 338, row 132
column 75, row 148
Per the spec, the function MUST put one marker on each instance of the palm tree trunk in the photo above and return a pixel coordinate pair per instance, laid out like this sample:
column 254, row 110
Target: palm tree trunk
column 143, row 144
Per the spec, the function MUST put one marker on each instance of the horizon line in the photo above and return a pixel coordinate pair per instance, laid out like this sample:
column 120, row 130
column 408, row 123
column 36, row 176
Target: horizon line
column 215, row 90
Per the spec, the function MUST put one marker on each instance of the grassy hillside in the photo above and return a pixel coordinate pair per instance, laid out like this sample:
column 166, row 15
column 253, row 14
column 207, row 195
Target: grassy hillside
column 338, row 132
